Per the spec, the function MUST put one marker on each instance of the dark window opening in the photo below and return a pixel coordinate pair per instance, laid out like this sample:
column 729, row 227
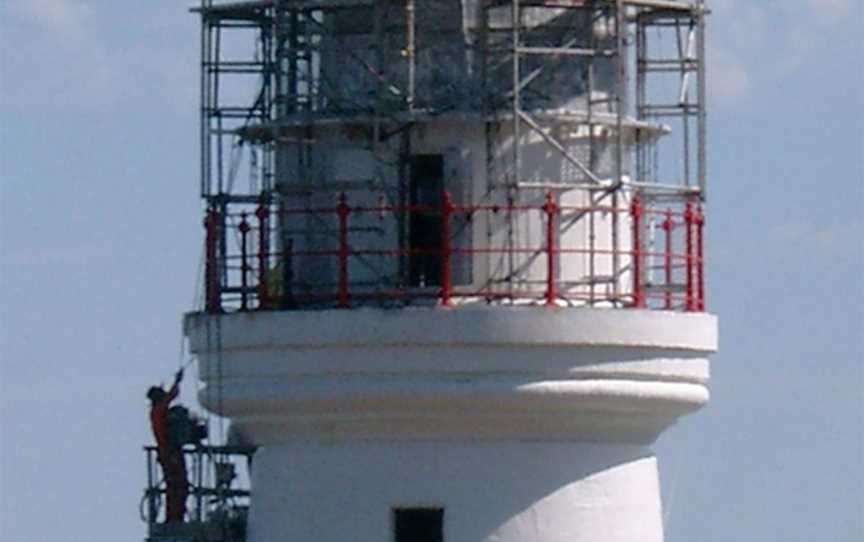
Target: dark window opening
column 424, row 224
column 418, row 524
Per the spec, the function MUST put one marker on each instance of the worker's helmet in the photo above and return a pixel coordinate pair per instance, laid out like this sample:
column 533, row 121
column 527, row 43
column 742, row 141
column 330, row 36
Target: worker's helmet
column 155, row 393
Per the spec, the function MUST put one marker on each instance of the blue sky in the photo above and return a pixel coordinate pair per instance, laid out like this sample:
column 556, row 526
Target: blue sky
column 100, row 238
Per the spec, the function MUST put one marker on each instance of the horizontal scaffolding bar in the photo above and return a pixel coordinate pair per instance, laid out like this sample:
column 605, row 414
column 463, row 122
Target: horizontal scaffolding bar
column 565, row 51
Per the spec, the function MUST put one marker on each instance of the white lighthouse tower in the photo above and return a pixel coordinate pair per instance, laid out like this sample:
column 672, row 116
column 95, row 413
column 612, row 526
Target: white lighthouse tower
column 454, row 262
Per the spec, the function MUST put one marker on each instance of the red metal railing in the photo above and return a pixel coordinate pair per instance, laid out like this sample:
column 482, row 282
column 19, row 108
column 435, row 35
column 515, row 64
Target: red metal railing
column 550, row 209
column 657, row 270
column 212, row 301
column 636, row 225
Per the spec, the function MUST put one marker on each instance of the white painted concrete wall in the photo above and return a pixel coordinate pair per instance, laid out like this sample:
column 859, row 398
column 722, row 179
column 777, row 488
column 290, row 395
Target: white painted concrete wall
column 491, row 492
column 340, row 162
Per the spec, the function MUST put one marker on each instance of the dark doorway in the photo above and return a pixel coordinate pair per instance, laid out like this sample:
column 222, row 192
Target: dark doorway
column 418, row 524
column 424, row 224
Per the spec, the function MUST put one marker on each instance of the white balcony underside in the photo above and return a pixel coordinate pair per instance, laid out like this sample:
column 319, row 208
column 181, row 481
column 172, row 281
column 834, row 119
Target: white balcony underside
column 454, row 374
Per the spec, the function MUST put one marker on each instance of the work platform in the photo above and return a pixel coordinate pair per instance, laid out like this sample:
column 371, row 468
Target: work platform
column 218, row 496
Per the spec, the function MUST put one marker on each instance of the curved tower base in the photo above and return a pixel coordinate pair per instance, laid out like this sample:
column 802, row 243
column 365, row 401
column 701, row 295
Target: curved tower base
column 521, row 424
column 503, row 491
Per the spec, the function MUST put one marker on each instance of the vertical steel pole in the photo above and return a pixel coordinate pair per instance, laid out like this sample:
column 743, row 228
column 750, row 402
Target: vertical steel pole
column 446, row 279
column 636, row 220
column 290, row 96
column 620, row 112
column 151, row 500
column 244, row 262
column 684, row 56
column 641, row 80
column 203, row 96
column 688, row 226
column 551, row 209
column 516, row 21
column 263, row 254
column 342, row 210
column 668, row 225
column 410, row 29
column 701, row 93
column 216, row 110
column 592, row 156
column 621, row 88
column 199, row 486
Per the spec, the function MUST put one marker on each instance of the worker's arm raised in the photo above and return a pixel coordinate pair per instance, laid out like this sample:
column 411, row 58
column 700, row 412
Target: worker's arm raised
column 175, row 389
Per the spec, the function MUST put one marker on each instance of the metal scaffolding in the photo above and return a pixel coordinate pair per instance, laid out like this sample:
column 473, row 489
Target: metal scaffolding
column 379, row 69
column 220, row 498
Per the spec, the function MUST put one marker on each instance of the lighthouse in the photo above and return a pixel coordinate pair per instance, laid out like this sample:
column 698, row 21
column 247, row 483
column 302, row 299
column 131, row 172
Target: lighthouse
column 454, row 264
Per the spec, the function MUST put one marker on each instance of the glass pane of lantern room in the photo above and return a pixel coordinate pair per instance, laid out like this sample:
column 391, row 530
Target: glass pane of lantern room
column 424, row 239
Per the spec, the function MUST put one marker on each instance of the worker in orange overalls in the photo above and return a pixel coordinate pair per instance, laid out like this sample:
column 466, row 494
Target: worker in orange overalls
column 170, row 454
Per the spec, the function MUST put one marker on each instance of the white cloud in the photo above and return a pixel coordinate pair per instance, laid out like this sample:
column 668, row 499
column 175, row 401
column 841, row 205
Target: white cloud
column 79, row 59
column 66, row 65
column 66, row 19
column 830, row 239
column 831, row 8
column 752, row 43
column 730, row 82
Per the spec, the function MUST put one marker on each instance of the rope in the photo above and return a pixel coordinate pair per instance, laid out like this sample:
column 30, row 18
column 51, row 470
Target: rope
column 214, row 345
column 673, row 485
column 197, row 303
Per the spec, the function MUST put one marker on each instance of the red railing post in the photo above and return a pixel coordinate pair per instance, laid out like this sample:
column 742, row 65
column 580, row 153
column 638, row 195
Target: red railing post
column 700, row 260
column 668, row 226
column 636, row 220
column 688, row 227
column 244, row 262
column 212, row 294
column 551, row 209
column 263, row 254
column 342, row 210
column 446, row 279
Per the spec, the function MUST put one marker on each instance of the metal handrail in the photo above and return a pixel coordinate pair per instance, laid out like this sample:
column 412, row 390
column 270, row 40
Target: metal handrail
column 252, row 263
